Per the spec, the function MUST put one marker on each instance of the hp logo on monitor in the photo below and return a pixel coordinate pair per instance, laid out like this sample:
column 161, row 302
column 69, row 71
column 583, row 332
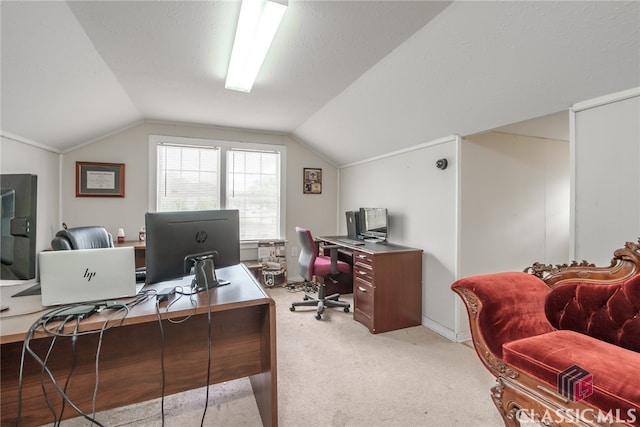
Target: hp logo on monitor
column 201, row 236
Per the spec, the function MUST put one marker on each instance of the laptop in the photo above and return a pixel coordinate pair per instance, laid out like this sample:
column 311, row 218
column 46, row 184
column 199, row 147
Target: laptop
column 87, row 275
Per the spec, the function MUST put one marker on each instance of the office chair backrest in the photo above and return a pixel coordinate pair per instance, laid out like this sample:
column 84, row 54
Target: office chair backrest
column 92, row 237
column 308, row 253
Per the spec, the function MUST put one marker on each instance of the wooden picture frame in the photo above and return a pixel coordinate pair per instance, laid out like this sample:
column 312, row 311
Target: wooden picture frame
column 312, row 181
column 95, row 179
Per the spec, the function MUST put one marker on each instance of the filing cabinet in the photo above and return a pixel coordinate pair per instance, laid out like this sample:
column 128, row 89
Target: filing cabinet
column 387, row 288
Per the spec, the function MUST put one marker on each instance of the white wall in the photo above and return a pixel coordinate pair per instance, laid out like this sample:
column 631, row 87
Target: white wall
column 606, row 193
column 502, row 204
column 131, row 148
column 421, row 201
column 19, row 157
column 515, row 202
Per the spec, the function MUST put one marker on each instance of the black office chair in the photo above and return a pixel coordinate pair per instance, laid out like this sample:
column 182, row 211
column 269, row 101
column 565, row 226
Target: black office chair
column 322, row 267
column 92, row 237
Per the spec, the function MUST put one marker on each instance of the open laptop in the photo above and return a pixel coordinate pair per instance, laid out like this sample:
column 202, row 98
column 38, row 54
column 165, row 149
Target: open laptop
column 87, row 275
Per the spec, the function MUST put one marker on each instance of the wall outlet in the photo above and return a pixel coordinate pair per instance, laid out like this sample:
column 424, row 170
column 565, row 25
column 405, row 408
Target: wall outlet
column 294, row 251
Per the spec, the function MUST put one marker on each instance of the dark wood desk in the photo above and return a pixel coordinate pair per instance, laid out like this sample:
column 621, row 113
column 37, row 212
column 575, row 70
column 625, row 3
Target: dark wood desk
column 139, row 250
column 243, row 340
column 387, row 284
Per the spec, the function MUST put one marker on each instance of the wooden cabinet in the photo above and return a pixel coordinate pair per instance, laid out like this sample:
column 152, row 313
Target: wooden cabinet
column 387, row 288
column 139, row 248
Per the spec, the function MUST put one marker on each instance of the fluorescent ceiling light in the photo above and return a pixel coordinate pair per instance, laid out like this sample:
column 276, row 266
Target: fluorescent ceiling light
column 258, row 23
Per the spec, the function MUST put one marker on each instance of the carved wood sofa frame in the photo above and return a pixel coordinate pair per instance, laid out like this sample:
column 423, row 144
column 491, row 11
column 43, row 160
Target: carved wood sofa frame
column 515, row 390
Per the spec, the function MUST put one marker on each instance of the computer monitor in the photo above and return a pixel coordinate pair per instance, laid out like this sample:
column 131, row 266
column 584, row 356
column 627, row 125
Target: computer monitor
column 174, row 238
column 18, row 193
column 374, row 223
column 353, row 224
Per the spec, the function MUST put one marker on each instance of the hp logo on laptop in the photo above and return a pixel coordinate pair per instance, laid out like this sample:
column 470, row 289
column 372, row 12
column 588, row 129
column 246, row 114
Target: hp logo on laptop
column 89, row 274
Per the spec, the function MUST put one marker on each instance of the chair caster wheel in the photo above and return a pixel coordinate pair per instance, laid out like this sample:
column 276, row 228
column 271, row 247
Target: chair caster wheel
column 318, row 317
column 346, row 309
column 292, row 308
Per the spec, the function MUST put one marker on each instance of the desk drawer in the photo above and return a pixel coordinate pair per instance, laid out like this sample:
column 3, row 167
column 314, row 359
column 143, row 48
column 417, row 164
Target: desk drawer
column 363, row 267
column 363, row 274
column 363, row 299
column 363, row 259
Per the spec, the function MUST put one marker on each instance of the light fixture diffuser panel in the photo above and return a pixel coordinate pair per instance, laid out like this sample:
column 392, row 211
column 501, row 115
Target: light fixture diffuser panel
column 259, row 20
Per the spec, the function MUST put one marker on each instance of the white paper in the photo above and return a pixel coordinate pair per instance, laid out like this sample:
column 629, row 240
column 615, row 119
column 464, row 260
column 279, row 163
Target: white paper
column 97, row 180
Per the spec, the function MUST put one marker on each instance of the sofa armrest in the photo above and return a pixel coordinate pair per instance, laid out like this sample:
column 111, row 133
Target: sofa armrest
column 503, row 307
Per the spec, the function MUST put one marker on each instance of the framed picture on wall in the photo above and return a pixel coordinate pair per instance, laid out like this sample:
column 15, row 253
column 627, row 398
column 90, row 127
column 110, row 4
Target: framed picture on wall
column 312, row 181
column 95, row 179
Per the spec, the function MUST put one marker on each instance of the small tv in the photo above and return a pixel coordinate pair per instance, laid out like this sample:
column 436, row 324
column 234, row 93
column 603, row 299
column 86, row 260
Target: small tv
column 18, row 194
column 374, row 223
column 175, row 239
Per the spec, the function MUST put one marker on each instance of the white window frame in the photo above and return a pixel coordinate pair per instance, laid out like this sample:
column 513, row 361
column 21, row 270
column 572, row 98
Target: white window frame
column 155, row 140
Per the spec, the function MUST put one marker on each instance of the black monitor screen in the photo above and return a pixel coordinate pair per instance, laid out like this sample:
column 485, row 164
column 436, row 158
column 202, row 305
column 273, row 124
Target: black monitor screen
column 374, row 222
column 18, row 226
column 173, row 237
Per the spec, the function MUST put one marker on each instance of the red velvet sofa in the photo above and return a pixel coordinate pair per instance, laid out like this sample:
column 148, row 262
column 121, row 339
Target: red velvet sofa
column 562, row 341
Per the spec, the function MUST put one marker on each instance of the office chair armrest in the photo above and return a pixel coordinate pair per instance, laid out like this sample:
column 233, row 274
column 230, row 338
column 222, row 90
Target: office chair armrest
column 333, row 252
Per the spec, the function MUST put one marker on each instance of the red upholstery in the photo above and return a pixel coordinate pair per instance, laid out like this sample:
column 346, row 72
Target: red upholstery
column 608, row 312
column 310, row 262
column 541, row 332
column 512, row 306
column 313, row 265
column 614, row 369
column 322, row 266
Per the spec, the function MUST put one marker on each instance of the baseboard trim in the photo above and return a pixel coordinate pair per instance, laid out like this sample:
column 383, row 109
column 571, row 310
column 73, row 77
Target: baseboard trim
column 446, row 332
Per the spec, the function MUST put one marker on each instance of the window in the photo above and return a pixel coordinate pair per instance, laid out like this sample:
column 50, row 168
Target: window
column 196, row 174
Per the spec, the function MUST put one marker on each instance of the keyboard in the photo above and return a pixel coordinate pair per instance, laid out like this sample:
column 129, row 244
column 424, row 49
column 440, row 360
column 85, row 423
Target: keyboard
column 351, row 242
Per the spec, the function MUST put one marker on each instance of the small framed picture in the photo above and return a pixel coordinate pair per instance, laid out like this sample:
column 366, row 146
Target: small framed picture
column 312, row 181
column 95, row 179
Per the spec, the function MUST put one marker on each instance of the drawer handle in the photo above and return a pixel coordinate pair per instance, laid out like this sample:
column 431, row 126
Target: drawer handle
column 362, row 272
column 362, row 256
column 361, row 289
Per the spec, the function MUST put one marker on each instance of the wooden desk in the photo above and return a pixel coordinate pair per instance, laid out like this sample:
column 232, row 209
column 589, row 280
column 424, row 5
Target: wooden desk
column 387, row 284
column 243, row 344
column 139, row 249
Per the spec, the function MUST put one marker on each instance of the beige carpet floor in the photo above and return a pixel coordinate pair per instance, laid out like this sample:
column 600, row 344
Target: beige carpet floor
column 333, row 372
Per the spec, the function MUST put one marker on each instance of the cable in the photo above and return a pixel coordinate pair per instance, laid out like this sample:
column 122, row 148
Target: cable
column 206, row 403
column 42, row 372
column 180, row 292
column 28, row 336
column 74, row 359
column 42, row 324
column 55, row 384
column 162, row 341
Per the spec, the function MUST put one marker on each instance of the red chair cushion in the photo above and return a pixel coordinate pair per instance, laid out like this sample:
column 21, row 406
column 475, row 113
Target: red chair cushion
column 322, row 266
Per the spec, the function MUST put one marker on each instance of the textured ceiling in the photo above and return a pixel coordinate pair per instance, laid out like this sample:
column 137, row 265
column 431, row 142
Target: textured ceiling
column 351, row 79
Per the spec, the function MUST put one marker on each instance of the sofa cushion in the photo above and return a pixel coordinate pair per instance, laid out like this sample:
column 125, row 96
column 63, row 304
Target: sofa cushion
column 607, row 312
column 614, row 369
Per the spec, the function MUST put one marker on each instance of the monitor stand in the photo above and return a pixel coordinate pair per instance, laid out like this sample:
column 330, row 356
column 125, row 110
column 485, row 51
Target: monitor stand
column 205, row 277
column 197, row 288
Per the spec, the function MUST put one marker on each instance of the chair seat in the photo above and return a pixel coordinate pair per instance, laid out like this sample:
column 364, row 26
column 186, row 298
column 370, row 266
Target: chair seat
column 316, row 268
column 322, row 266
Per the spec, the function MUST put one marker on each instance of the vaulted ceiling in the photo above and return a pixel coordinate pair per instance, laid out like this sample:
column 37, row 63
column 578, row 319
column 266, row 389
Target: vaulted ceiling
column 351, row 79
